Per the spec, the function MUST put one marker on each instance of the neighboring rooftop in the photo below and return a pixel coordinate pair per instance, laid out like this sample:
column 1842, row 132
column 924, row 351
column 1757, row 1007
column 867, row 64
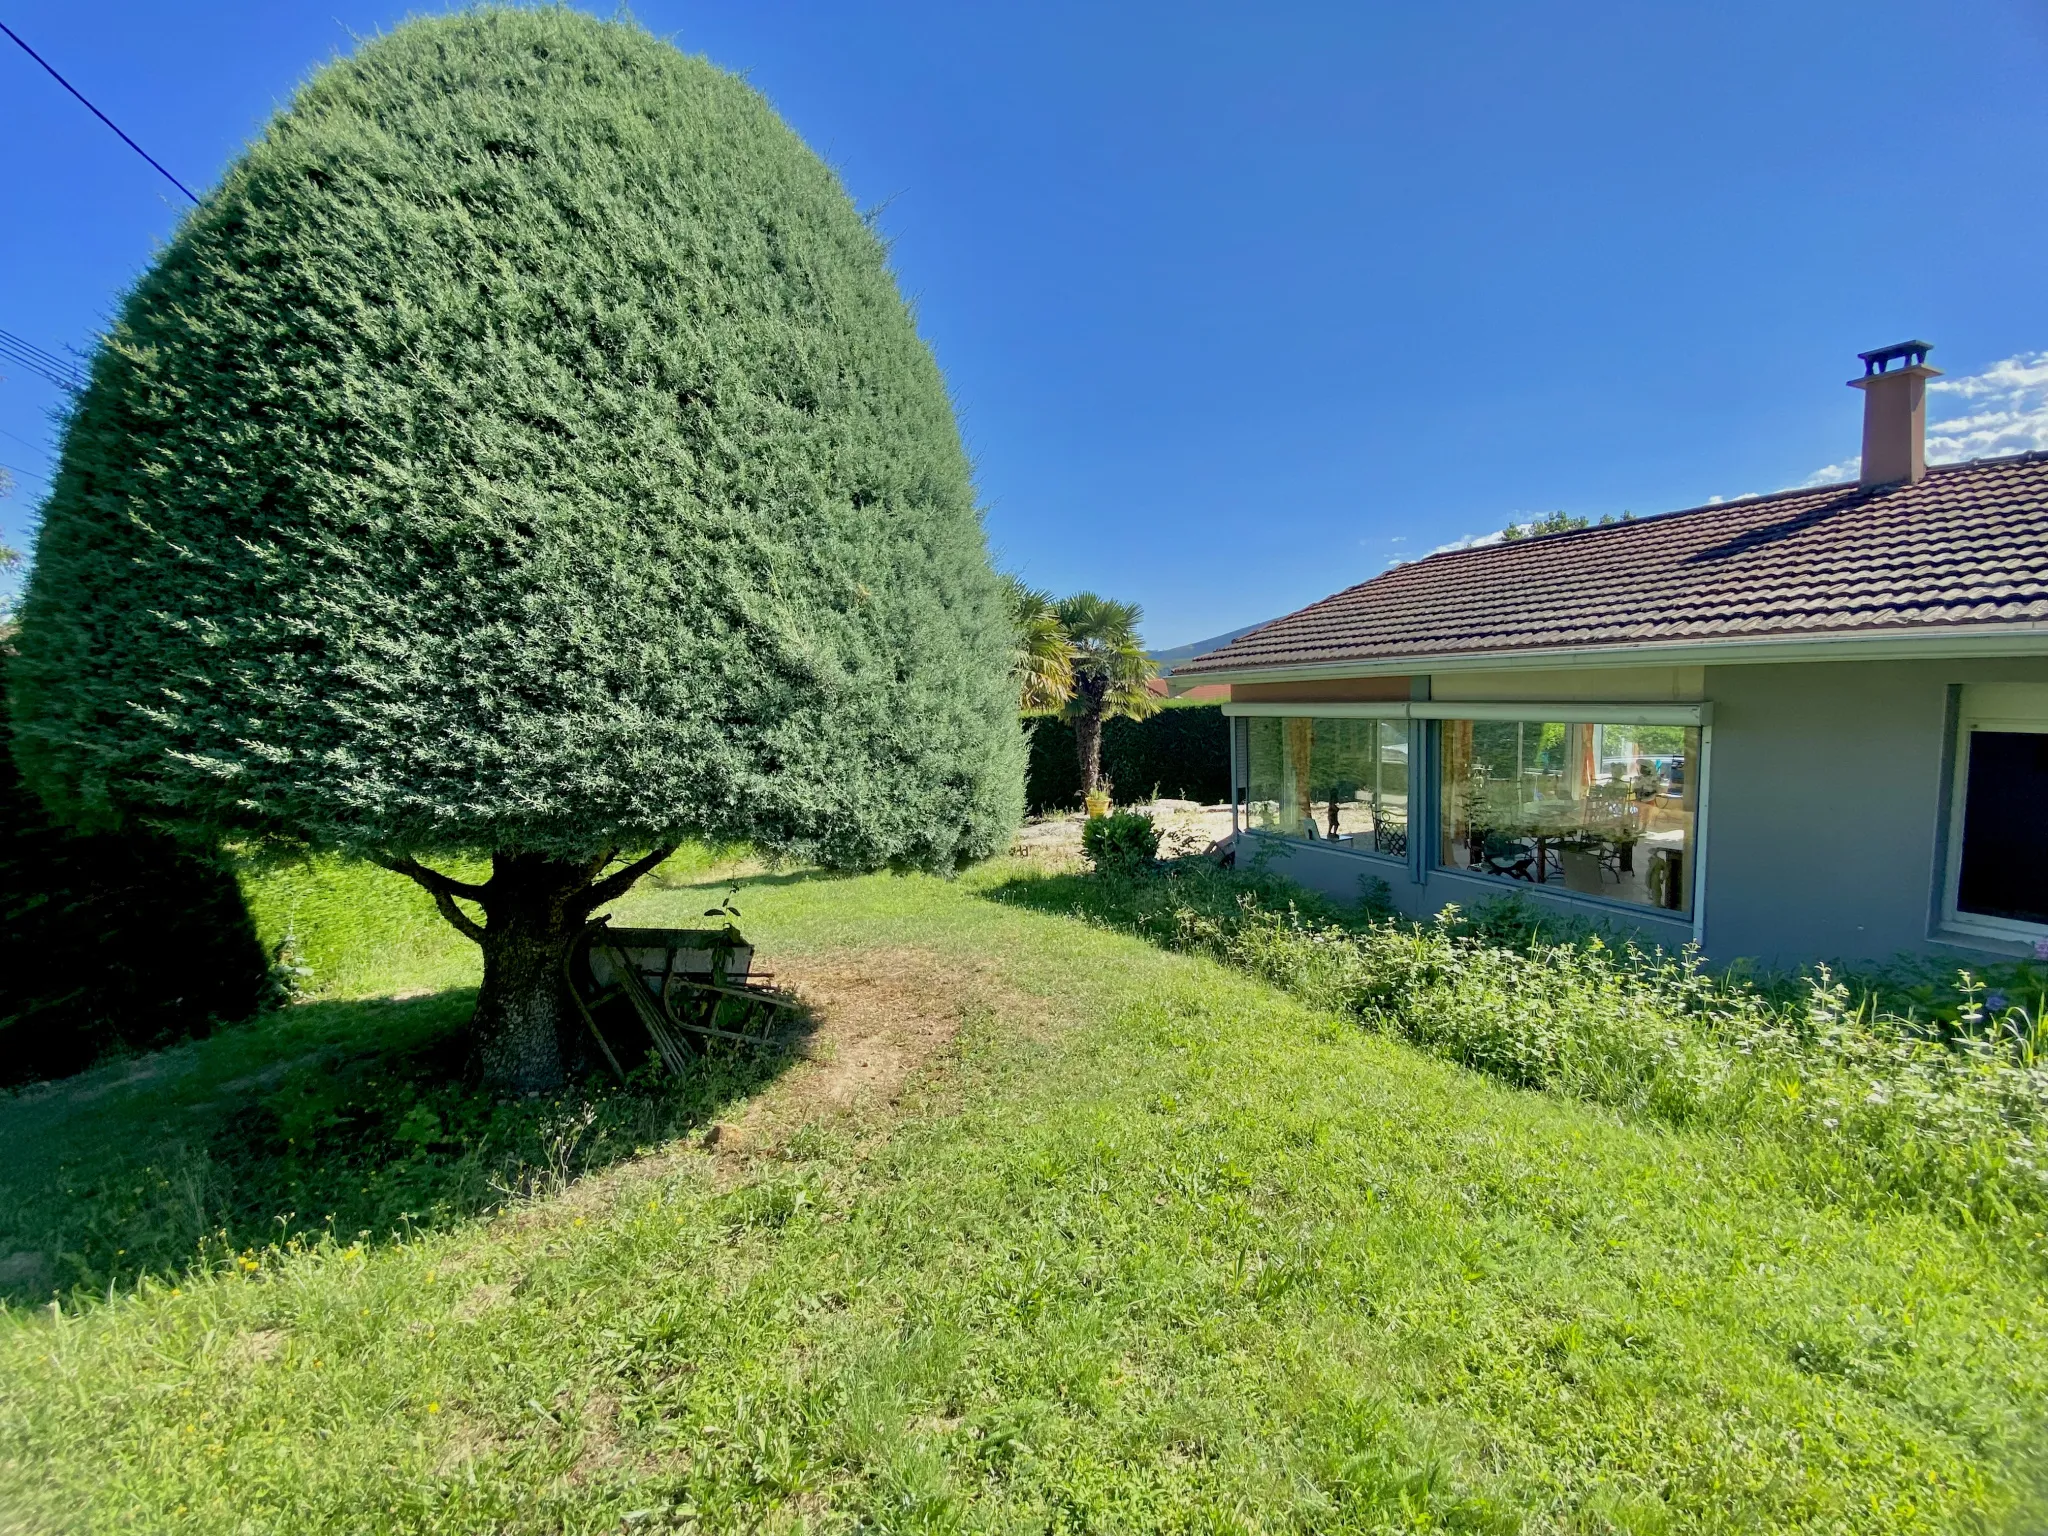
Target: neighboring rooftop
column 1965, row 546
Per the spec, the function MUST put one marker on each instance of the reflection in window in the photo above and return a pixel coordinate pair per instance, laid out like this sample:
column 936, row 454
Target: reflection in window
column 1601, row 810
column 1330, row 780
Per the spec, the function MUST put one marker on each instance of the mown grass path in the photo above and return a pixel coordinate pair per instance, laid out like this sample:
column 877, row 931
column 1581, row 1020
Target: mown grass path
column 1145, row 1245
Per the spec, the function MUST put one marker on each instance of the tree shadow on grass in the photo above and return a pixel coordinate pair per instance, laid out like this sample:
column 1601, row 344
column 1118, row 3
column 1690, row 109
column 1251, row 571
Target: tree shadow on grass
column 347, row 1119
column 1157, row 904
column 717, row 879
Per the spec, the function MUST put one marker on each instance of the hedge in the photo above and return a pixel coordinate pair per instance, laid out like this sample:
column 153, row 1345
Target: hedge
column 111, row 940
column 1181, row 753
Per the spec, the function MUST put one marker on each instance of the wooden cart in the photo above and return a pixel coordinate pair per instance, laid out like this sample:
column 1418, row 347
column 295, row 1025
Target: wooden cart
column 676, row 984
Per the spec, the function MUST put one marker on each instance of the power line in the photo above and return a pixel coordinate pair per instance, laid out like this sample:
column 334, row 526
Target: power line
column 29, row 350
column 96, row 112
column 26, row 354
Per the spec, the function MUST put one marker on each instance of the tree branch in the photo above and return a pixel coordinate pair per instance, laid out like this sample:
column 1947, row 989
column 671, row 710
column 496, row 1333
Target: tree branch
column 444, row 891
column 614, row 886
column 464, row 924
column 432, row 879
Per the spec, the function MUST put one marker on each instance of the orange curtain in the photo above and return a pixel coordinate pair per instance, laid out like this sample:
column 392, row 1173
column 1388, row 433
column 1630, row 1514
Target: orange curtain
column 1300, row 736
column 1456, row 784
column 1582, row 769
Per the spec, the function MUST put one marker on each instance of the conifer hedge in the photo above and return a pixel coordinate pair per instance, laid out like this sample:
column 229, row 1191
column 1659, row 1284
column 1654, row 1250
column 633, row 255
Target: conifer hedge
column 525, row 450
column 1181, row 753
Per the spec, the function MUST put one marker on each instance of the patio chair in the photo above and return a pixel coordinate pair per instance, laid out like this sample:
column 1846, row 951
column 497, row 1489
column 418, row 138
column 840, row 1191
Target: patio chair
column 673, row 982
column 1390, row 837
column 1509, row 856
column 1583, row 870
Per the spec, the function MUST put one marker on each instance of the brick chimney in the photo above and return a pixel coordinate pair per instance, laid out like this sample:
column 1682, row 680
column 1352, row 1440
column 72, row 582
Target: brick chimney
column 1895, row 413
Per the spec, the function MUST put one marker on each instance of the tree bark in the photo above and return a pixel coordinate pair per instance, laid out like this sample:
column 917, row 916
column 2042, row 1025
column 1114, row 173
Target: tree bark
column 520, row 1035
column 525, row 1034
column 1088, row 741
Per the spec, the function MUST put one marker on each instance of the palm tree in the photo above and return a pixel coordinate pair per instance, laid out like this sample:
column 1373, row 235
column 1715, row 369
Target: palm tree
column 1110, row 671
column 1045, row 661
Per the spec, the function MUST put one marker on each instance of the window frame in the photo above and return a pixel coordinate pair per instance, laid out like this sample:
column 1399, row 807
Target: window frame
column 1696, row 717
column 1241, row 772
column 1425, row 719
column 2019, row 708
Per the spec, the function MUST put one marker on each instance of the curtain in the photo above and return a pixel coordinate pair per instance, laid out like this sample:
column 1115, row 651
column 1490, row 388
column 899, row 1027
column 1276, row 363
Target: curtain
column 1297, row 754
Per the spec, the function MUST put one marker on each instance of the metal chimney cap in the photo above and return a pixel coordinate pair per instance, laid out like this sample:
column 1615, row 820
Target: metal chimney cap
column 1914, row 354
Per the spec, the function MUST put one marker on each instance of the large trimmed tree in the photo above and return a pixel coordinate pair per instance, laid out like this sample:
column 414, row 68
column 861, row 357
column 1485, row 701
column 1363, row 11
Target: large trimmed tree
column 524, row 451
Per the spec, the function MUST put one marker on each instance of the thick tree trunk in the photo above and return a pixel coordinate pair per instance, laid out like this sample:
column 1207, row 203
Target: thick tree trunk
column 1088, row 740
column 521, row 1034
column 524, row 1035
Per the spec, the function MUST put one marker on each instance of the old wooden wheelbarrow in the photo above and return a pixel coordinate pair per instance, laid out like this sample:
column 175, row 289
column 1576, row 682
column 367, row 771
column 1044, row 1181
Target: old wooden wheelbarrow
column 677, row 983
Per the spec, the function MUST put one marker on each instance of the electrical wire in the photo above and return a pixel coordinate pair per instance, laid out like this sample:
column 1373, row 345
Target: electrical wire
column 31, row 352
column 96, row 112
column 26, row 354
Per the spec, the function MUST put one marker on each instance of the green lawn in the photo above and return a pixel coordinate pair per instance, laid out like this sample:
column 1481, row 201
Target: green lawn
column 1150, row 1246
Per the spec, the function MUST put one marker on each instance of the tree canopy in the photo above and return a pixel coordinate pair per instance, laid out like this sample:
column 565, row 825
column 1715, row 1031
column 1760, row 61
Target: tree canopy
column 524, row 450
column 526, row 446
column 1045, row 655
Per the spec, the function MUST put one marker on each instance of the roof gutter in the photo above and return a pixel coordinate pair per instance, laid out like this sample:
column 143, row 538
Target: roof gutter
column 1932, row 644
column 1567, row 711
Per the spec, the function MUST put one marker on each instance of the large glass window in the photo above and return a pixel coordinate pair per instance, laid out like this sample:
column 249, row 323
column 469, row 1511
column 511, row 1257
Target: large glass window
column 1599, row 810
column 1339, row 781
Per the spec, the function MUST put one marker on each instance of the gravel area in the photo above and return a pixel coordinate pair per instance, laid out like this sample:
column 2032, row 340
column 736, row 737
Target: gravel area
column 1185, row 826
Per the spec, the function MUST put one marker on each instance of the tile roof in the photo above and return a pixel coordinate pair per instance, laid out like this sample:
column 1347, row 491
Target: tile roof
column 1968, row 545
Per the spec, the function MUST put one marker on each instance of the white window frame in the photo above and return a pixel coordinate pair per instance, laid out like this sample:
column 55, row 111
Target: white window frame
column 2014, row 707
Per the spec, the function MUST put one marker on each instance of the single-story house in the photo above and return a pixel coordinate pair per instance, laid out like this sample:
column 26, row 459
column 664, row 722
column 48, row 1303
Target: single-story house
column 1805, row 726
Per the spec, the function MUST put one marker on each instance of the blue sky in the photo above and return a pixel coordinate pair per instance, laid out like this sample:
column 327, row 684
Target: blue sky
column 1239, row 304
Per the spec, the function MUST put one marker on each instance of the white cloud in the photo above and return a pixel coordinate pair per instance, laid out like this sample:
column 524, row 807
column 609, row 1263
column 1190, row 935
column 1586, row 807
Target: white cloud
column 2025, row 372
column 1469, row 541
column 2008, row 414
column 1833, row 474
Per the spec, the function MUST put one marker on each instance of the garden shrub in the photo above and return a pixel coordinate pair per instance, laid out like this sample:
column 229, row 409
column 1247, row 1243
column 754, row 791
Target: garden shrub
column 1124, row 843
column 111, row 941
column 525, row 450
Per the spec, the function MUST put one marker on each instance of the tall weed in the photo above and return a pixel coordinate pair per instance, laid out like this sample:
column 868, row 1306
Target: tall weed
column 1870, row 1105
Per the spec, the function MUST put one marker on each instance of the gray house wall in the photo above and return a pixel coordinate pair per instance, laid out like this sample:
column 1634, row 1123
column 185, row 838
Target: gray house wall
column 1828, row 808
column 1825, row 820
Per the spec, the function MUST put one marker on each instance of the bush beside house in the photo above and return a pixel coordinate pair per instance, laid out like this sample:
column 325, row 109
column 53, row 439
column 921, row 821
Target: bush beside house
column 1181, row 753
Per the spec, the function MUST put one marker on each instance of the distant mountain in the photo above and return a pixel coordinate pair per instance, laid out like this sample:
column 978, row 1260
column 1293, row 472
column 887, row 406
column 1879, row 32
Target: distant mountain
column 1189, row 652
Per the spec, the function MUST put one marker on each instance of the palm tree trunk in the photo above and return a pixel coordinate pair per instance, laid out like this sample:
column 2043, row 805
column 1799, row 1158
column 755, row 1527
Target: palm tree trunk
column 1088, row 741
